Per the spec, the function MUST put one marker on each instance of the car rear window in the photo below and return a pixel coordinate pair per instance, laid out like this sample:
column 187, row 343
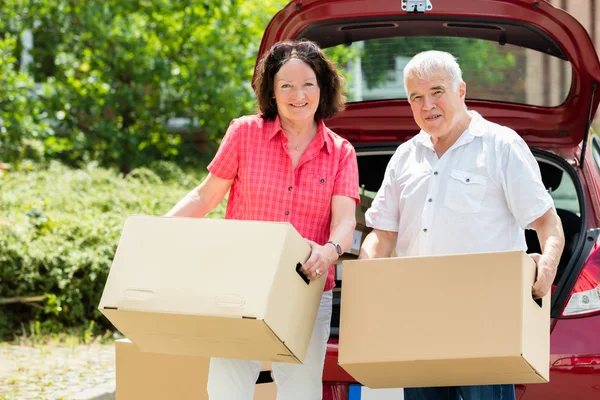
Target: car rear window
column 498, row 72
column 565, row 196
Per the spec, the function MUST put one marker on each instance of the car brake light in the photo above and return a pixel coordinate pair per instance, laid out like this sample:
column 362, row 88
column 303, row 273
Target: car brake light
column 585, row 297
column 577, row 361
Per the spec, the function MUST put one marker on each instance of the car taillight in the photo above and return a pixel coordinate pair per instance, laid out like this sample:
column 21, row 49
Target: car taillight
column 332, row 391
column 578, row 361
column 585, row 296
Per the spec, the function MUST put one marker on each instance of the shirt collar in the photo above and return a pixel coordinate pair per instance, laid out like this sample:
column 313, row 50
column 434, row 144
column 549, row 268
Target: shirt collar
column 323, row 137
column 476, row 128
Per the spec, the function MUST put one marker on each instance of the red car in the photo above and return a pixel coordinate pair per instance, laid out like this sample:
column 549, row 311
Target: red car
column 528, row 66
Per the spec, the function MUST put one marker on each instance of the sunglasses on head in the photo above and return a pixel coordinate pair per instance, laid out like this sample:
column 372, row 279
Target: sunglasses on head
column 284, row 49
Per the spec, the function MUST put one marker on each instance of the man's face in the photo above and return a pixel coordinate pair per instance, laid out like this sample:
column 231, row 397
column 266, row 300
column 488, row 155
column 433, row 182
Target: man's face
column 436, row 107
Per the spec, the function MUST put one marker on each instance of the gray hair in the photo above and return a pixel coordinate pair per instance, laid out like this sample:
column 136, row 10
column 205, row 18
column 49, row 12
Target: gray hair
column 428, row 64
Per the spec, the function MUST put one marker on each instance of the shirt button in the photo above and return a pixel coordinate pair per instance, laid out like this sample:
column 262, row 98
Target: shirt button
column 425, row 230
column 468, row 180
column 290, row 188
column 287, row 213
column 430, row 200
column 322, row 180
column 435, row 173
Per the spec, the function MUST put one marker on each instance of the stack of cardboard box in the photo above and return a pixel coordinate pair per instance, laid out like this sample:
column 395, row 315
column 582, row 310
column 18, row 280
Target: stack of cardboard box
column 183, row 290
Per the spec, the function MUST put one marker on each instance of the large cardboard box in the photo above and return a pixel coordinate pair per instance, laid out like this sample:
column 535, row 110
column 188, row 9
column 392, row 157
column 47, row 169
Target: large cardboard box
column 151, row 376
column 159, row 376
column 207, row 287
column 444, row 321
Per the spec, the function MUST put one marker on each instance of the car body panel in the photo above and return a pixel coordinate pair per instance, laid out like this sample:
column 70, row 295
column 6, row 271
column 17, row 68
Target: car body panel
column 571, row 338
column 557, row 126
column 559, row 130
column 590, row 174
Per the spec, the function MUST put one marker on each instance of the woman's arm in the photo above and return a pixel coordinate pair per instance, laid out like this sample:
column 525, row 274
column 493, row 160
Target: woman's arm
column 202, row 199
column 343, row 222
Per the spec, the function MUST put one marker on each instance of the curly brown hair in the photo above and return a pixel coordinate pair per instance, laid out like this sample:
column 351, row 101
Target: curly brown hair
column 331, row 83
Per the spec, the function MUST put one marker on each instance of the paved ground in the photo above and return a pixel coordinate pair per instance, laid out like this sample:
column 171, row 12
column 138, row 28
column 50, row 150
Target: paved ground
column 52, row 372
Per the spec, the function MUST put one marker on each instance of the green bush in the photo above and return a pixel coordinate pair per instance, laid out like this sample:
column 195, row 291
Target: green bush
column 21, row 128
column 114, row 72
column 59, row 229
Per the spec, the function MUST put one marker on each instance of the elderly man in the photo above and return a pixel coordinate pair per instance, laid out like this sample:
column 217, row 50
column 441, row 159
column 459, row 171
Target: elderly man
column 462, row 185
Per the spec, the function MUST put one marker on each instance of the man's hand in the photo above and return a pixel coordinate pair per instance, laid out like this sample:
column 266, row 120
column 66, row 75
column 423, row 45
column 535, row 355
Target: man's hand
column 320, row 259
column 546, row 271
column 552, row 240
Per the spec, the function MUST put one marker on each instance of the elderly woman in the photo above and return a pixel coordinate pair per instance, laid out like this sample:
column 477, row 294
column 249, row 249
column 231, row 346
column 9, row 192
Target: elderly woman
column 284, row 164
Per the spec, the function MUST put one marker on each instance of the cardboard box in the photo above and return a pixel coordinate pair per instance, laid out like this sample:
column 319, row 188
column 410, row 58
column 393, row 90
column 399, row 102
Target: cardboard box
column 152, row 376
column 339, row 264
column 159, row 376
column 208, row 287
column 360, row 233
column 265, row 391
column 361, row 229
column 444, row 321
column 361, row 209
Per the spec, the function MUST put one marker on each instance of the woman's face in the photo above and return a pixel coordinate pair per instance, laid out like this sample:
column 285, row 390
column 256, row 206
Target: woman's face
column 297, row 93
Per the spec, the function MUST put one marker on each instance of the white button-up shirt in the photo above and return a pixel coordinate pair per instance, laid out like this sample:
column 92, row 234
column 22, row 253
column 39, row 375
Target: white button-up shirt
column 478, row 197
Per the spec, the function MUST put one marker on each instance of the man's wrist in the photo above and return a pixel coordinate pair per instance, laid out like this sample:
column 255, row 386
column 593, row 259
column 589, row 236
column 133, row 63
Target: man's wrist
column 549, row 261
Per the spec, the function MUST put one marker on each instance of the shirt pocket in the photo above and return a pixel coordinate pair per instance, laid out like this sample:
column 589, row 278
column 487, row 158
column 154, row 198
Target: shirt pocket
column 317, row 191
column 465, row 191
column 320, row 184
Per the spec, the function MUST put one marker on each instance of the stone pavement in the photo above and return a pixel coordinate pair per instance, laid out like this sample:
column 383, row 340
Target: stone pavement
column 53, row 372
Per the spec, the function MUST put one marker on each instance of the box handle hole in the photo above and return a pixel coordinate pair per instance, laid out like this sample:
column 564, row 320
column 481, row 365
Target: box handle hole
column 304, row 277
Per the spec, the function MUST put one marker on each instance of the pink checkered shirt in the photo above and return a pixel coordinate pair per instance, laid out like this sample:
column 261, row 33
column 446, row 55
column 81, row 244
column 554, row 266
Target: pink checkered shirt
column 267, row 188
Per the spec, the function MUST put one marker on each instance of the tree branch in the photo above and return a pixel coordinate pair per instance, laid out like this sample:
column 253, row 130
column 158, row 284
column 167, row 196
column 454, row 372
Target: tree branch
column 21, row 299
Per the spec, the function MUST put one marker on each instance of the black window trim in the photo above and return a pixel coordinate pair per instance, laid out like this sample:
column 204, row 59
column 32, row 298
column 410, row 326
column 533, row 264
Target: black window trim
column 596, row 150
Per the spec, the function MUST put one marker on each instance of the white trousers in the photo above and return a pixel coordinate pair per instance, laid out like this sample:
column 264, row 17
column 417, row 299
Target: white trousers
column 230, row 379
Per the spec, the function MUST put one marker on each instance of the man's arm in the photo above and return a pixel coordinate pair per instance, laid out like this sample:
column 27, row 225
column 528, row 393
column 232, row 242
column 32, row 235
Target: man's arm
column 378, row 244
column 552, row 241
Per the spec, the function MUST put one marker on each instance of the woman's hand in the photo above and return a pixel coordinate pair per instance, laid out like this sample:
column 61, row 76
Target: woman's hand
column 320, row 259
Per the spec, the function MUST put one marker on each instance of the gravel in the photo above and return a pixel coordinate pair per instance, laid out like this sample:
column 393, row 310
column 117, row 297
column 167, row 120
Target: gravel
column 52, row 372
